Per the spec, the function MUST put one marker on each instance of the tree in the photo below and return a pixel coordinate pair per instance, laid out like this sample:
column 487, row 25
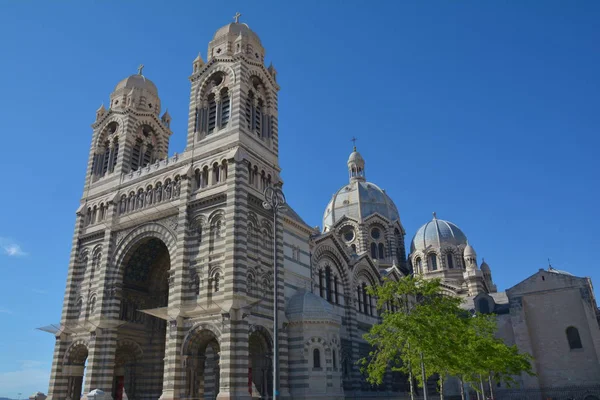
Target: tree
column 431, row 334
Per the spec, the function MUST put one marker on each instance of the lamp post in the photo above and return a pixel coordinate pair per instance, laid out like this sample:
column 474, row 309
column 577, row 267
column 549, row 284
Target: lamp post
column 275, row 200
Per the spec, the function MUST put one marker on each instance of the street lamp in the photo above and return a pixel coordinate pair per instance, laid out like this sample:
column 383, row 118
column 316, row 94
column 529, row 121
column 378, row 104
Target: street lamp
column 275, row 200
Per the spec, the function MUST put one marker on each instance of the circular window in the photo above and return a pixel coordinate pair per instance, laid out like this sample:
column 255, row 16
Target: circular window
column 375, row 233
column 348, row 234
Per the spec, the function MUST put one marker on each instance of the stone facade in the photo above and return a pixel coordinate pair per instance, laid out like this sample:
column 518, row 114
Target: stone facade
column 169, row 291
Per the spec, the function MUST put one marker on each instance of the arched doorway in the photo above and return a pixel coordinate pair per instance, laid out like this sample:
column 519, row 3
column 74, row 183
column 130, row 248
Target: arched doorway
column 260, row 368
column 74, row 369
column 145, row 286
column 201, row 357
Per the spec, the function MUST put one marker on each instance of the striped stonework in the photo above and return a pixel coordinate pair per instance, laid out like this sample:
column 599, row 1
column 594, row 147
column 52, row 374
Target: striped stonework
column 170, row 286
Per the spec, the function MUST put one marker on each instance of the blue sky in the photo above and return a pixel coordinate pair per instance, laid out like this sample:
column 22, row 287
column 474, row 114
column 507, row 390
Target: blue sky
column 485, row 112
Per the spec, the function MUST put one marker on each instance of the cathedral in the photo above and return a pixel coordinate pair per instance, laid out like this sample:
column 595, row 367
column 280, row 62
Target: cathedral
column 169, row 291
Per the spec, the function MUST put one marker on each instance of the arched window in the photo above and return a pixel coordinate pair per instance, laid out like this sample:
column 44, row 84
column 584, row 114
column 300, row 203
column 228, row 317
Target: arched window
column 147, row 156
column 366, row 302
column 484, row 306
column 249, row 108
column 105, row 158
column 115, row 155
column 316, row 358
column 215, row 173
column 381, row 251
column 212, row 113
column 450, row 260
column 419, row 265
column 258, row 118
column 328, row 282
column 358, row 291
column 205, row 176
column 136, row 154
column 335, row 289
column 225, row 107
column 432, row 262
column 216, row 279
column 573, row 338
column 321, row 284
column 373, row 251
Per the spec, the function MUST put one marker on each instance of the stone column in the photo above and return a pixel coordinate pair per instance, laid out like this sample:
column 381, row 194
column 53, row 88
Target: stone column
column 101, row 361
column 174, row 371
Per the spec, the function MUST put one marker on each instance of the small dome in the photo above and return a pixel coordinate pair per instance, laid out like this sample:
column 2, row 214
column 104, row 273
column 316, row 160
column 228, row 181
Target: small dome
column 355, row 158
column 307, row 306
column 359, row 200
column 484, row 267
column 236, row 29
column 470, row 251
column 137, row 81
column 437, row 233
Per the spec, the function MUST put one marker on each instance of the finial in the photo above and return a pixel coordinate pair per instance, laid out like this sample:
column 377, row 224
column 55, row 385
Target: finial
column 353, row 140
column 434, row 215
column 140, row 68
column 236, row 17
column 549, row 263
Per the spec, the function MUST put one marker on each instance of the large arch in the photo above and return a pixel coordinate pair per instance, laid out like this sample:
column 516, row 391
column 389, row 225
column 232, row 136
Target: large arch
column 200, row 350
column 73, row 368
column 142, row 265
column 260, row 362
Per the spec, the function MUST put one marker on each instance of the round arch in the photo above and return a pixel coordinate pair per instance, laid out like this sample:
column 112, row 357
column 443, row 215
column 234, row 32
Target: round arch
column 136, row 236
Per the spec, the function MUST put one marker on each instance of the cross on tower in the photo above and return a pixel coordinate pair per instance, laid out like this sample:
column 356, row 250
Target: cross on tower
column 353, row 140
column 140, row 68
column 237, row 17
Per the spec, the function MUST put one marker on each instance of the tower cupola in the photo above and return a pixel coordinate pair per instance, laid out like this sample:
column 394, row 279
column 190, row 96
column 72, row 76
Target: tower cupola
column 236, row 38
column 356, row 166
column 136, row 92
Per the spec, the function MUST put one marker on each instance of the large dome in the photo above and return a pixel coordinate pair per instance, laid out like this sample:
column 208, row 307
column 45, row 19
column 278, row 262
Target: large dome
column 437, row 233
column 137, row 81
column 359, row 200
column 236, row 29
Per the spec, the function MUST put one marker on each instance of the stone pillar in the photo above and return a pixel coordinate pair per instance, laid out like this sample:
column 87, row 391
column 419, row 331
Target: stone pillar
column 174, row 371
column 101, row 361
column 57, row 389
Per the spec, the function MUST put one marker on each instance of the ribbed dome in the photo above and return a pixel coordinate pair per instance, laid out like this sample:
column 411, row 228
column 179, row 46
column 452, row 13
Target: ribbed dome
column 235, row 29
column 306, row 306
column 137, row 82
column 437, row 233
column 356, row 158
column 358, row 200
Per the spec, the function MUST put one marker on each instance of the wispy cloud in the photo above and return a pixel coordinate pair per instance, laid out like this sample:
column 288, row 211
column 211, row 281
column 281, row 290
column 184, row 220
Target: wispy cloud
column 10, row 248
column 28, row 377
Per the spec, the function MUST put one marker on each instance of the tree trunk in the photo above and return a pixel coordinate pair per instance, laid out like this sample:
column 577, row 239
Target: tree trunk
column 410, row 381
column 491, row 387
column 462, row 388
column 424, row 377
column 481, row 386
column 441, row 387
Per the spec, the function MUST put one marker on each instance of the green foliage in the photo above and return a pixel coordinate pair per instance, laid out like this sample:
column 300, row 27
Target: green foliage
column 432, row 328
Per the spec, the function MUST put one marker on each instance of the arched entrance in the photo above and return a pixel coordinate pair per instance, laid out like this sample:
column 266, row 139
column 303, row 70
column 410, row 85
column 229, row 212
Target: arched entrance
column 260, row 368
column 74, row 369
column 201, row 357
column 145, row 271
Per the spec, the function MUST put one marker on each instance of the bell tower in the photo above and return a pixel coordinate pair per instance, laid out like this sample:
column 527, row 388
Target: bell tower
column 130, row 134
column 234, row 96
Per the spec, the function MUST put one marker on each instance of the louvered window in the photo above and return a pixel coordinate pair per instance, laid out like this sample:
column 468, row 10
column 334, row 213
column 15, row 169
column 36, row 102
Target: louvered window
column 147, row 156
column 212, row 114
column 135, row 155
column 105, row 159
column 258, row 118
column 249, row 107
column 225, row 107
column 114, row 156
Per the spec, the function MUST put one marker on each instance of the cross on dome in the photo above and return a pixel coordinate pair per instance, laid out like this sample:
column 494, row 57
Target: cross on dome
column 140, row 68
column 236, row 17
column 353, row 140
